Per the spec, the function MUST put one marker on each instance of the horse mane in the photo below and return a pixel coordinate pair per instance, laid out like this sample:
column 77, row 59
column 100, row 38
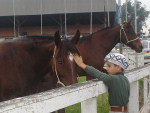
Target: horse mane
column 43, row 37
column 101, row 30
column 88, row 37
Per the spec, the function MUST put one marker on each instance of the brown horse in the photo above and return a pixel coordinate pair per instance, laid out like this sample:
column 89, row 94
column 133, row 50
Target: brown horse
column 26, row 68
column 95, row 47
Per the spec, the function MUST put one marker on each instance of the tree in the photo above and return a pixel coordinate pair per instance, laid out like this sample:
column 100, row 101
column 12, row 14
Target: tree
column 142, row 14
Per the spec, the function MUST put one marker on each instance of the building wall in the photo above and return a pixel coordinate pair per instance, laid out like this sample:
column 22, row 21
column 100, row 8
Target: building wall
column 48, row 30
column 36, row 7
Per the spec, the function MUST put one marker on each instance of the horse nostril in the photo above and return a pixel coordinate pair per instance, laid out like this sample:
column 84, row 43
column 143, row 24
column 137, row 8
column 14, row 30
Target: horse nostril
column 139, row 49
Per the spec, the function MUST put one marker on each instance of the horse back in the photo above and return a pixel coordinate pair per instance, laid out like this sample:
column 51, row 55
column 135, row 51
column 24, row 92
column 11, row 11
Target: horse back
column 24, row 64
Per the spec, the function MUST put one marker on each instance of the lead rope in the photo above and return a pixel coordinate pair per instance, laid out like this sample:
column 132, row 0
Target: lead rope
column 59, row 82
column 128, row 41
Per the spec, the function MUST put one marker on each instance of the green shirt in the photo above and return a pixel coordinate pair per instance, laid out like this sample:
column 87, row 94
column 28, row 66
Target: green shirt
column 118, row 86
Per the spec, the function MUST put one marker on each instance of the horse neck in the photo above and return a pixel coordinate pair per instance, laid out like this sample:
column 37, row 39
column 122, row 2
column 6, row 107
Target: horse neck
column 42, row 54
column 106, row 40
column 46, row 52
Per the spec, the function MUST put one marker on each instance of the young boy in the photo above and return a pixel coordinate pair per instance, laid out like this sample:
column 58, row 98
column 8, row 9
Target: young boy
column 118, row 84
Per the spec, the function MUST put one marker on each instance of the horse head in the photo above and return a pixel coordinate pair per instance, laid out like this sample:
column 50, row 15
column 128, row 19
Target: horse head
column 63, row 64
column 129, row 37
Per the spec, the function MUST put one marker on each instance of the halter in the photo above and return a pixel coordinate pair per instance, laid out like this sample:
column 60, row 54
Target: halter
column 58, row 82
column 128, row 41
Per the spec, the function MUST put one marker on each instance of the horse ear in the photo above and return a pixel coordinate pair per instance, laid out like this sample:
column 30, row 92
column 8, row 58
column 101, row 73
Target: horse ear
column 127, row 24
column 57, row 38
column 76, row 38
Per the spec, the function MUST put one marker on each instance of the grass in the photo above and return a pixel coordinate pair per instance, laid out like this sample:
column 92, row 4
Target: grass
column 102, row 102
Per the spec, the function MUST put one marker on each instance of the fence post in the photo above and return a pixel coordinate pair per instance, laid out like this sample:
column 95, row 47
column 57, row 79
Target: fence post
column 134, row 98
column 148, row 85
column 145, row 90
column 145, row 95
column 89, row 106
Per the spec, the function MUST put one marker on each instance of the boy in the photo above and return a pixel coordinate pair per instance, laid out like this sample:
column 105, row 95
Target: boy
column 118, row 84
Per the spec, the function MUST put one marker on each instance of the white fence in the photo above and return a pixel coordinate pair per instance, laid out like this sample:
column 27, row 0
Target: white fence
column 85, row 93
column 146, row 107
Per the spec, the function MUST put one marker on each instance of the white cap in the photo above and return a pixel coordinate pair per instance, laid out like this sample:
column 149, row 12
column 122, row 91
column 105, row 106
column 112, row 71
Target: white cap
column 118, row 59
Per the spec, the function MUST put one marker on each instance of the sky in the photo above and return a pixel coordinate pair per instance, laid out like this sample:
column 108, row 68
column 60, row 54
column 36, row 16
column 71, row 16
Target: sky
column 146, row 4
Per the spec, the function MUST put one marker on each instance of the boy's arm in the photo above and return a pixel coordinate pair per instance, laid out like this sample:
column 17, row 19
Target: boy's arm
column 96, row 73
column 92, row 71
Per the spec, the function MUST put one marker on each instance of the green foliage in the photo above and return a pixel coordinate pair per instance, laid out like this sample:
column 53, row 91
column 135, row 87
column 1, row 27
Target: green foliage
column 81, row 79
column 102, row 103
column 142, row 14
column 74, row 108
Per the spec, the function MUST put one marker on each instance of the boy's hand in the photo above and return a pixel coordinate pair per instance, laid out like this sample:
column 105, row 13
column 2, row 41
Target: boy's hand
column 79, row 61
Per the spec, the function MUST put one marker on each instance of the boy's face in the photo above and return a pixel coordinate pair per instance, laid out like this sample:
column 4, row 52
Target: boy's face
column 112, row 68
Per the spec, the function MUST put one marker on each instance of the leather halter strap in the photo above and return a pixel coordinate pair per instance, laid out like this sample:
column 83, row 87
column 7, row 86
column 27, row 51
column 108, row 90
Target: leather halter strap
column 128, row 41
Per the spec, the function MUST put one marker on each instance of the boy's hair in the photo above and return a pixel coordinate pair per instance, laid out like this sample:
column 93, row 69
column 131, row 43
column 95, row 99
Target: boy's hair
column 118, row 59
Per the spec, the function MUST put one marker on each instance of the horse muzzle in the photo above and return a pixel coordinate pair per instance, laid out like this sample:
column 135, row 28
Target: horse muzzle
column 139, row 49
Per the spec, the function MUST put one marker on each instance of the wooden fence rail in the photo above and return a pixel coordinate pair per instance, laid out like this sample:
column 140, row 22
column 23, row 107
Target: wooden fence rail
column 85, row 93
